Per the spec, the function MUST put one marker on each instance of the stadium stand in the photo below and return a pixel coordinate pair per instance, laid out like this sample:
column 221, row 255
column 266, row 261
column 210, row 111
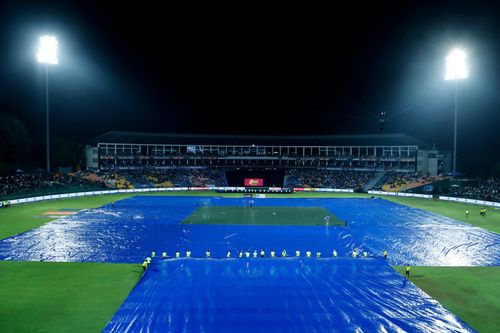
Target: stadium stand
column 20, row 185
column 327, row 178
column 177, row 177
column 126, row 160
column 488, row 190
column 129, row 150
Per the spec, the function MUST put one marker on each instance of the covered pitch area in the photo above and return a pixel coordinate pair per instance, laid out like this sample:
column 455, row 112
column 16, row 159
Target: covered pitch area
column 279, row 295
column 129, row 230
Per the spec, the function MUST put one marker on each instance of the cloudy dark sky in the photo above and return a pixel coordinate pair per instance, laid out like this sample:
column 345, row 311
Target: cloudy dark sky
column 257, row 70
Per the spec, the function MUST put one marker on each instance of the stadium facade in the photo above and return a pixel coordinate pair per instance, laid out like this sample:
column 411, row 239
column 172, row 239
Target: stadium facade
column 399, row 152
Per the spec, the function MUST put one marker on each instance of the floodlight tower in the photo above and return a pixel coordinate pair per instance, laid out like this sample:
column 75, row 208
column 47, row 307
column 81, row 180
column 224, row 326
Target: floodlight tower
column 456, row 69
column 47, row 54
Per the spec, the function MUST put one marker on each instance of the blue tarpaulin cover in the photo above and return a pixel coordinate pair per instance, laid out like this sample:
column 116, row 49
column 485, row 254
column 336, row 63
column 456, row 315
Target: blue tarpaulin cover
column 266, row 294
column 129, row 231
column 279, row 295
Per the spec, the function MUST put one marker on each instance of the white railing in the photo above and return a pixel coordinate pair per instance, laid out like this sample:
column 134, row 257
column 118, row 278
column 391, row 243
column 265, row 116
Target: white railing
column 79, row 194
column 313, row 189
column 472, row 201
column 156, row 189
column 444, row 198
column 402, row 194
column 215, row 188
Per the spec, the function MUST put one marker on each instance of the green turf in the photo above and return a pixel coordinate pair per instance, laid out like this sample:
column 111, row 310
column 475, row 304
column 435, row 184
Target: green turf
column 62, row 297
column 20, row 218
column 472, row 293
column 456, row 211
column 285, row 216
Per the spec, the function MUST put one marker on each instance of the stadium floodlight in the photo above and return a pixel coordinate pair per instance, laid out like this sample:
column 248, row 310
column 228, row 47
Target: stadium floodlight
column 47, row 54
column 47, row 50
column 456, row 69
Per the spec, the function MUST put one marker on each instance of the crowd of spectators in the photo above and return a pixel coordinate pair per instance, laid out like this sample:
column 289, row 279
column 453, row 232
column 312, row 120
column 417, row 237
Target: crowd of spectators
column 21, row 183
column 488, row 190
column 393, row 181
column 179, row 177
column 317, row 178
column 40, row 183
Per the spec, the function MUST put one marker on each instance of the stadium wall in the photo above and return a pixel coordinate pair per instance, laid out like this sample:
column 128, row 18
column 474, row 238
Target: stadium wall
column 471, row 201
column 402, row 194
column 298, row 189
column 157, row 189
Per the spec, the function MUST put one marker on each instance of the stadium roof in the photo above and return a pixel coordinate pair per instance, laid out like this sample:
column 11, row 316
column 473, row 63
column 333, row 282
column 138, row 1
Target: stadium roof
column 395, row 139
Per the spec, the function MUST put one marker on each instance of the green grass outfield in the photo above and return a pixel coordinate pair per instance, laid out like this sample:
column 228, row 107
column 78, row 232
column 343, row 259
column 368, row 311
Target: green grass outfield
column 62, row 297
column 455, row 210
column 285, row 216
column 81, row 297
column 472, row 293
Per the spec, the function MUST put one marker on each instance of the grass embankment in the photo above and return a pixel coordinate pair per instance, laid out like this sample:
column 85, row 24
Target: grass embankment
column 472, row 293
column 62, row 297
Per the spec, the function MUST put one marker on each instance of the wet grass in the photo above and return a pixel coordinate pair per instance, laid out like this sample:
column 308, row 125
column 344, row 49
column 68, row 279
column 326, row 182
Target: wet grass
column 472, row 293
column 62, row 297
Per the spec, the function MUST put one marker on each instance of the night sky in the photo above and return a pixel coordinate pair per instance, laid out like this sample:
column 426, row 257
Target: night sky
column 257, row 70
